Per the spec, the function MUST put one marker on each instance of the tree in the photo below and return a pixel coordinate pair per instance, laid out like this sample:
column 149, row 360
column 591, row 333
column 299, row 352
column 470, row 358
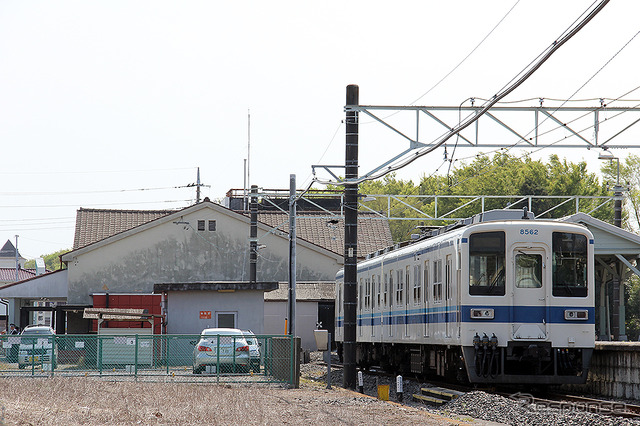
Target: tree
column 630, row 180
column 51, row 261
column 503, row 174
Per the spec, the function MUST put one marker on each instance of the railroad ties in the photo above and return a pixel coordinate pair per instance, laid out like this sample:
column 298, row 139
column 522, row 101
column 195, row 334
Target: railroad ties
column 436, row 396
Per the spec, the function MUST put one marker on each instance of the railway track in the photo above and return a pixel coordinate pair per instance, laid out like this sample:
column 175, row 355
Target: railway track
column 437, row 394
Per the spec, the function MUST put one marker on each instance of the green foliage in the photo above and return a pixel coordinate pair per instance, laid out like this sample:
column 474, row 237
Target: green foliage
column 51, row 261
column 500, row 175
column 630, row 181
column 632, row 292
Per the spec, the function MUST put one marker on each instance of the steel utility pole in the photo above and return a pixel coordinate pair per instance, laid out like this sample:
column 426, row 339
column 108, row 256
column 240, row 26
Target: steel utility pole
column 350, row 240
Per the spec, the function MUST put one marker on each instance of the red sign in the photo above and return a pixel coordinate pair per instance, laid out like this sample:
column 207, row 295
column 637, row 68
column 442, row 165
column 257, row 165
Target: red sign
column 205, row 314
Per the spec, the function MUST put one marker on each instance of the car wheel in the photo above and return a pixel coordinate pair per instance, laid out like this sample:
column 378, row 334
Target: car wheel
column 21, row 366
column 197, row 370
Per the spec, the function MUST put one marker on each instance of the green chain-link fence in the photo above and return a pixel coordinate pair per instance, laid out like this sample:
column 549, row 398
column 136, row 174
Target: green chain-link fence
column 219, row 358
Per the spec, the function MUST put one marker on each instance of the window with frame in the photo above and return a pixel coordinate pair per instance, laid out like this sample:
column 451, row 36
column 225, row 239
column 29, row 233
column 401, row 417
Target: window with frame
column 426, row 280
column 201, row 225
column 226, row 319
column 400, row 288
column 391, row 287
column 437, row 280
column 378, row 292
column 417, row 284
column 487, row 255
column 361, row 293
column 367, row 293
column 569, row 265
column 212, row 225
column 407, row 280
column 447, row 279
column 386, row 290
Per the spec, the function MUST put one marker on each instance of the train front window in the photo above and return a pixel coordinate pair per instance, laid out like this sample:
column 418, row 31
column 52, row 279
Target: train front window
column 487, row 263
column 528, row 270
column 569, row 265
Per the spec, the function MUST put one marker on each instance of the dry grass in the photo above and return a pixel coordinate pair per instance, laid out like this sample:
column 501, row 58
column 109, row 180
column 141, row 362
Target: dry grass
column 88, row 401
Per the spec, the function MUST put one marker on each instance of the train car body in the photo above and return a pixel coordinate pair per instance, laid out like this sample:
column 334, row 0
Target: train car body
column 497, row 299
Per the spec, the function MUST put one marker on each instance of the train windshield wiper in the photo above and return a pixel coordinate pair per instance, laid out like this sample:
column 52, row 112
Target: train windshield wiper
column 496, row 279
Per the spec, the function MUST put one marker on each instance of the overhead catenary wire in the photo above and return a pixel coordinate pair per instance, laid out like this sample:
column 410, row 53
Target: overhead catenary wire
column 514, row 83
column 603, row 104
column 468, row 54
column 495, row 27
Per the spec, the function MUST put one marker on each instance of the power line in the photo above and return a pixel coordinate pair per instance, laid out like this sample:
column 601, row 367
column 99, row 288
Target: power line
column 105, row 191
column 468, row 55
column 612, row 100
column 95, row 204
column 73, row 172
column 405, row 159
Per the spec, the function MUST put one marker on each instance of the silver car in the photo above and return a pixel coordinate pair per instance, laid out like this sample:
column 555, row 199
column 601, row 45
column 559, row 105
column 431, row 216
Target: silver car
column 254, row 350
column 223, row 350
column 36, row 346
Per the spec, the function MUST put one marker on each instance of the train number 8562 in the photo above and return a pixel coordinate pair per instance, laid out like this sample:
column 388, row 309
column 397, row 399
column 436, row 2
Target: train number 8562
column 524, row 231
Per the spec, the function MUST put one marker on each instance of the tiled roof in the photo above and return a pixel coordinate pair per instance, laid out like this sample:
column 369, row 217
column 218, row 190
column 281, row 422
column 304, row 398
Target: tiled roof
column 316, row 227
column 97, row 224
column 8, row 250
column 8, row 275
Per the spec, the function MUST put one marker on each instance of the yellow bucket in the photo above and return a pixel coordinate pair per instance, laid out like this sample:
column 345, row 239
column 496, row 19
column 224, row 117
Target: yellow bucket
column 383, row 392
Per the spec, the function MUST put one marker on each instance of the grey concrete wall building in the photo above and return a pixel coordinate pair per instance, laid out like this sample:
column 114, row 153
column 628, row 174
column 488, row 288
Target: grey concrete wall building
column 204, row 242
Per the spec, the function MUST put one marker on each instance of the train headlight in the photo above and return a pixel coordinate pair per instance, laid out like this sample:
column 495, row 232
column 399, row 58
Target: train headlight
column 576, row 314
column 485, row 313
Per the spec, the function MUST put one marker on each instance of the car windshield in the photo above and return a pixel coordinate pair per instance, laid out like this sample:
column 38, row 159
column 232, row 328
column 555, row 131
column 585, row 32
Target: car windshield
column 37, row 331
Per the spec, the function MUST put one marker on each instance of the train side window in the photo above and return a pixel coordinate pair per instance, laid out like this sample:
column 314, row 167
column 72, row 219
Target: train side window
column 569, row 270
column 399, row 288
column 386, row 289
column 367, row 293
column 378, row 292
column 487, row 263
column 360, row 293
column 417, row 285
column 447, row 278
column 407, row 280
column 437, row 280
column 391, row 287
column 373, row 291
column 426, row 280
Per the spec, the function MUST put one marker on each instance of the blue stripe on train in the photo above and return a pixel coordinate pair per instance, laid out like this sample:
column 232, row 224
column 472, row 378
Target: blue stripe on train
column 503, row 314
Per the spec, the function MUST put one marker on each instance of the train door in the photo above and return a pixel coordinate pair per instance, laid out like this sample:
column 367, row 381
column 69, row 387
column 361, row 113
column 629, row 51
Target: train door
column 407, row 297
column 529, row 312
column 391, row 296
column 448, row 295
column 427, row 298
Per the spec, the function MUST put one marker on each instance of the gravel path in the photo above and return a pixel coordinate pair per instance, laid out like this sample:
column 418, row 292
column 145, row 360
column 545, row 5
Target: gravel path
column 473, row 405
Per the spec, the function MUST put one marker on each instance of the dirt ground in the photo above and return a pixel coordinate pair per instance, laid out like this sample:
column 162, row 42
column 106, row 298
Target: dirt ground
column 91, row 401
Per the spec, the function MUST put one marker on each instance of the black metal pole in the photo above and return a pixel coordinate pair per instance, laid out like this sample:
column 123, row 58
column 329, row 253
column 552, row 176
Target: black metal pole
column 253, row 234
column 292, row 255
column 350, row 240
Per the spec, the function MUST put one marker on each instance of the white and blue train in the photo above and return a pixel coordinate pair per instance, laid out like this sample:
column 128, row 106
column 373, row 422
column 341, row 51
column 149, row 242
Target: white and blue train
column 497, row 298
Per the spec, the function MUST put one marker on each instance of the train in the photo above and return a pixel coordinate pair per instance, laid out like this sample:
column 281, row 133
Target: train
column 499, row 298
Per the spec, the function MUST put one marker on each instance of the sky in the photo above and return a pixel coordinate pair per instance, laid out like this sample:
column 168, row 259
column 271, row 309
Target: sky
column 115, row 104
